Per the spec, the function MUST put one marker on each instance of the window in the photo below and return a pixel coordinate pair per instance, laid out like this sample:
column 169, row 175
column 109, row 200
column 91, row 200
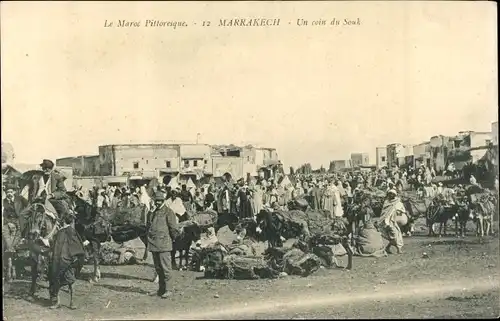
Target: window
column 383, row 158
column 205, row 161
column 186, row 163
column 168, row 164
column 147, row 162
column 136, row 165
column 195, row 163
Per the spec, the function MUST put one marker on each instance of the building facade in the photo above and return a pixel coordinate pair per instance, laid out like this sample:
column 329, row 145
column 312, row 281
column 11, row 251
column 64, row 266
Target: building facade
column 422, row 154
column 394, row 152
column 342, row 164
column 381, row 157
column 360, row 159
column 82, row 165
column 468, row 146
column 147, row 160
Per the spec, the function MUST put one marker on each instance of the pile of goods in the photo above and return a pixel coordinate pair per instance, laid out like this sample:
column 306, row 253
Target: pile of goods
column 236, row 261
column 374, row 198
column 240, row 261
column 204, row 219
column 482, row 202
column 294, row 223
column 113, row 254
column 135, row 216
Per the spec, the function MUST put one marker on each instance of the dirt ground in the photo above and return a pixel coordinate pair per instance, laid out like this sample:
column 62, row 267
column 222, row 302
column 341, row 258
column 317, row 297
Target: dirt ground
column 459, row 278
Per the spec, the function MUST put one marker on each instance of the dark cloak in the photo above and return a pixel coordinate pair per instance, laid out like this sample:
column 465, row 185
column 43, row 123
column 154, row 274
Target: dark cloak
column 67, row 251
column 245, row 209
column 315, row 198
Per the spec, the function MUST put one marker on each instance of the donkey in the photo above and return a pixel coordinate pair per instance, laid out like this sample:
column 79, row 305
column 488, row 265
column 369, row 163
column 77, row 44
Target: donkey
column 39, row 231
column 96, row 229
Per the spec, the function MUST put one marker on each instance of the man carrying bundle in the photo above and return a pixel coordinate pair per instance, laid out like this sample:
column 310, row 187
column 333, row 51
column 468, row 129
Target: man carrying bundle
column 388, row 225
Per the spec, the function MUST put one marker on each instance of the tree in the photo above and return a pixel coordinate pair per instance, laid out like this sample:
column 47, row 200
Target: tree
column 292, row 171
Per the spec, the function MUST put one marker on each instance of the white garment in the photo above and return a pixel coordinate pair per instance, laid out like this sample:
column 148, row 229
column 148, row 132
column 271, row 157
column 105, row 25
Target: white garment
column 338, row 211
column 47, row 187
column 145, row 199
column 176, row 205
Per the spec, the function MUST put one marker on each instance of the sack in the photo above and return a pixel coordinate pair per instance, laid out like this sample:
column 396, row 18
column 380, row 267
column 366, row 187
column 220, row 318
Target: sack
column 112, row 254
column 246, row 268
column 300, row 263
column 211, row 258
column 242, row 249
column 294, row 223
column 205, row 219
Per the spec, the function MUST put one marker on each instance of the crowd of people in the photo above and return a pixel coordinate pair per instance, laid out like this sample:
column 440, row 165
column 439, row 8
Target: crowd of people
column 329, row 192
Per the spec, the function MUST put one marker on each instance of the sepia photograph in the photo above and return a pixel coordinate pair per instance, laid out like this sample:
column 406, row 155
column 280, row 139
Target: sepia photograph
column 209, row 160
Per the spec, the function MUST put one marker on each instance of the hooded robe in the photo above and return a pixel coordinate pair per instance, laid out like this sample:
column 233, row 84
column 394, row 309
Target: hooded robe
column 67, row 250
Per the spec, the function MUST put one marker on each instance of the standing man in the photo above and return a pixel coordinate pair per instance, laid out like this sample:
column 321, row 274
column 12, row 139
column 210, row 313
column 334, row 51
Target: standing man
column 162, row 231
column 187, row 198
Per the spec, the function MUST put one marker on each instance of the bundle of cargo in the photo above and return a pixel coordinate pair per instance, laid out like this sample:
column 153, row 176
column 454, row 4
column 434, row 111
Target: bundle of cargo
column 204, row 219
column 483, row 202
column 373, row 197
column 294, row 223
column 293, row 261
column 317, row 222
column 238, row 261
column 113, row 254
column 134, row 216
column 235, row 267
column 124, row 233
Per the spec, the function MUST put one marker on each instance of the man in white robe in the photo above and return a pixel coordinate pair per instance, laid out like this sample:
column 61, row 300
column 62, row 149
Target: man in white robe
column 388, row 225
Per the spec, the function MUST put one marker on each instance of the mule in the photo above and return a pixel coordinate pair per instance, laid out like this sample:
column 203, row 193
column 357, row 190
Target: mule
column 39, row 231
column 461, row 218
column 94, row 228
column 356, row 216
column 483, row 216
column 439, row 214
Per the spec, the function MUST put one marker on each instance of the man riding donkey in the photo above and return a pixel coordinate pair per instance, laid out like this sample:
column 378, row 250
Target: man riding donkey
column 49, row 190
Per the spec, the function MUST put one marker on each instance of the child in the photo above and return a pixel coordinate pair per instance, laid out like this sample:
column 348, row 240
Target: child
column 67, row 251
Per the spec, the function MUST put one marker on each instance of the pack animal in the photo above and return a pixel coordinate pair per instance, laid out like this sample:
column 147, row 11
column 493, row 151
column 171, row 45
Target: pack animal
column 92, row 225
column 39, row 230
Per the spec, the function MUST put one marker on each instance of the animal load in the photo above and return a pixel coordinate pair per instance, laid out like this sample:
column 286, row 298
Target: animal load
column 293, row 261
column 375, row 199
column 210, row 257
column 134, row 216
column 294, row 223
column 317, row 222
column 483, row 202
column 128, row 232
column 300, row 204
column 205, row 219
column 244, row 248
column 245, row 268
column 113, row 254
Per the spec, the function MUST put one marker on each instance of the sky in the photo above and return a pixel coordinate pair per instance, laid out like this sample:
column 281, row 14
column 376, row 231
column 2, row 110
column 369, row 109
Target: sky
column 411, row 70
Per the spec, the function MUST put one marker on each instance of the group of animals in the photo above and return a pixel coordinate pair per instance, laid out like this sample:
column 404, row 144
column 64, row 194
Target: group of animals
column 265, row 227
